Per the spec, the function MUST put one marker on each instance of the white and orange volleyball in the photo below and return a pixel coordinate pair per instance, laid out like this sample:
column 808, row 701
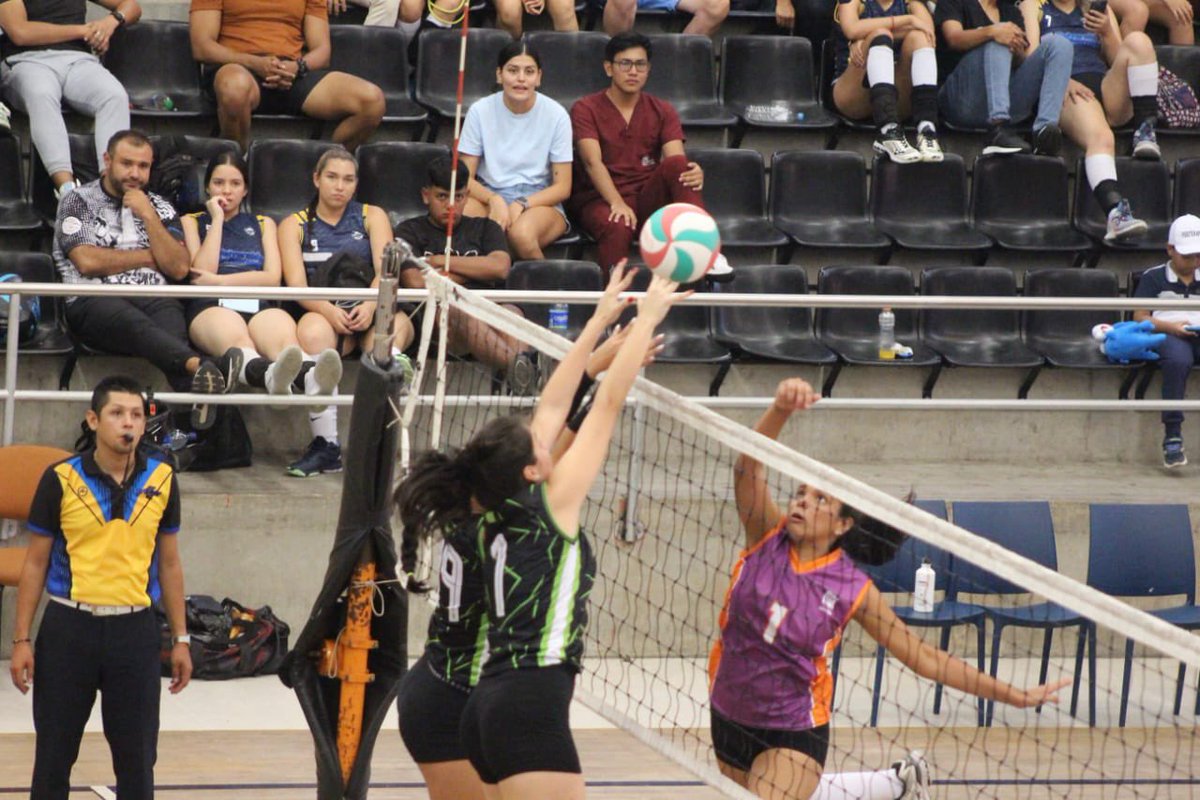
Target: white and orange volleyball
column 680, row 242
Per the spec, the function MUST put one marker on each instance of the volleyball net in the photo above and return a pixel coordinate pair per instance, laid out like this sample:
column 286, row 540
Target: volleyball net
column 663, row 521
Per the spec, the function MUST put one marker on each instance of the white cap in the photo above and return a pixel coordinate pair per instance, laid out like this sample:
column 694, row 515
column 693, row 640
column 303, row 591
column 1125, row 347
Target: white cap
column 1185, row 235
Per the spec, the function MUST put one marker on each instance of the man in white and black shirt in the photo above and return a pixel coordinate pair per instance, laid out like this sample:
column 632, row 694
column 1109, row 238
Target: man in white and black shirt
column 111, row 231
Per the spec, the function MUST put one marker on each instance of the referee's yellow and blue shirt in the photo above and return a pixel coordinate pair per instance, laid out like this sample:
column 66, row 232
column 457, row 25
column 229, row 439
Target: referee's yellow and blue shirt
column 105, row 549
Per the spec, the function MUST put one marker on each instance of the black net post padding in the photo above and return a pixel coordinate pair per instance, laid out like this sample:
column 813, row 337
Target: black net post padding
column 364, row 521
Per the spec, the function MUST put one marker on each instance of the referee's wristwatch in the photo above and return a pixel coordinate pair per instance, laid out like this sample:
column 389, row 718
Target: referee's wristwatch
column 183, row 638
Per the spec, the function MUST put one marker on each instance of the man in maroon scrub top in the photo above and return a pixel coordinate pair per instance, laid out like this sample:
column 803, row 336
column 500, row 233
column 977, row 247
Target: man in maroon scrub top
column 630, row 153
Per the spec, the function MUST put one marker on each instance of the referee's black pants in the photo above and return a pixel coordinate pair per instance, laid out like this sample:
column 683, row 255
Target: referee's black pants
column 153, row 328
column 75, row 655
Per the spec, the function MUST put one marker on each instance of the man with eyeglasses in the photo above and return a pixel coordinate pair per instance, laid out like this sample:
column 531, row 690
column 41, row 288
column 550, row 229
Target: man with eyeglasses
column 631, row 160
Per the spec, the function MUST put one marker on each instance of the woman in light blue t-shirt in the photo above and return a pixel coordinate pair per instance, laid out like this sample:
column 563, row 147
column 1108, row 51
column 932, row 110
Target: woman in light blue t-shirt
column 517, row 144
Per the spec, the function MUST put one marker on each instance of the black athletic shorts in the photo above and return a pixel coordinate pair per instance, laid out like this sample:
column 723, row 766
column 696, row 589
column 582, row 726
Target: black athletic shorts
column 272, row 101
column 738, row 745
column 519, row 721
column 431, row 711
column 1093, row 81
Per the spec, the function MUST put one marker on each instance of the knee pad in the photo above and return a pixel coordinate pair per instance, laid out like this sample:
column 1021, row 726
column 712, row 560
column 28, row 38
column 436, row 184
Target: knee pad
column 882, row 40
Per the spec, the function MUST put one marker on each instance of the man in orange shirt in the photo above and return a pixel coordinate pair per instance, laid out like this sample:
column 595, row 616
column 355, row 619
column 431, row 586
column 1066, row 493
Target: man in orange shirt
column 273, row 56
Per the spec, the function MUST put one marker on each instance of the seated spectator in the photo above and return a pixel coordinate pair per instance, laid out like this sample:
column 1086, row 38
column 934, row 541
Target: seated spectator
column 1177, row 16
column 631, row 159
column 111, row 231
column 993, row 77
column 231, row 247
column 517, row 145
column 478, row 259
column 1100, row 96
column 707, row 15
column 510, row 14
column 51, row 56
column 263, row 55
column 867, row 36
column 334, row 224
column 1174, row 280
column 380, row 13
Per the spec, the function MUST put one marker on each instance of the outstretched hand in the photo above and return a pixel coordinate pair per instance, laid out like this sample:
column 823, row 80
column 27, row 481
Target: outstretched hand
column 1040, row 695
column 602, row 357
column 794, row 394
column 612, row 304
column 660, row 296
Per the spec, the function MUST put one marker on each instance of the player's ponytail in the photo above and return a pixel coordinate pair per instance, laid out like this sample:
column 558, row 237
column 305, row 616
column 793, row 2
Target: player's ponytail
column 433, row 496
column 870, row 541
column 495, row 459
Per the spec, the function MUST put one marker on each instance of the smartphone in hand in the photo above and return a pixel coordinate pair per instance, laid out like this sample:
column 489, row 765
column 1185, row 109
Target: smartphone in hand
column 1100, row 6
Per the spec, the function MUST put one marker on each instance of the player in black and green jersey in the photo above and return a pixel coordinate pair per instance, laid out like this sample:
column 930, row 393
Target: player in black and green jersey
column 537, row 563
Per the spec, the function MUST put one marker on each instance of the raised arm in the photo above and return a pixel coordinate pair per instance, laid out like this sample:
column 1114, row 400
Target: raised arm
column 878, row 619
column 756, row 508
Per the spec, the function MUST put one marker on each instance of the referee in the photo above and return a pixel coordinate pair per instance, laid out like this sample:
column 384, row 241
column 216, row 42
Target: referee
column 104, row 549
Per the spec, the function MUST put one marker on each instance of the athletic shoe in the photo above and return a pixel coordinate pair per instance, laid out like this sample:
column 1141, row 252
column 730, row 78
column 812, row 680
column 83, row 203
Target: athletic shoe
column 206, row 380
column 283, row 370
column 1173, row 453
column 5, row 120
column 404, row 364
column 1001, row 142
column 893, row 145
column 321, row 457
column 1145, row 142
column 1047, row 141
column 522, row 376
column 928, row 147
column 1122, row 224
column 230, row 363
column 913, row 772
column 720, row 272
column 326, row 374
column 64, row 190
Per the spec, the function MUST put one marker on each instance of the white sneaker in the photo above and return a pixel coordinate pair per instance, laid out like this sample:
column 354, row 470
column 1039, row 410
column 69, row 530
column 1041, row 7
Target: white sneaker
column 64, row 190
column 720, row 270
column 283, row 370
column 893, row 145
column 913, row 771
column 5, row 119
column 1122, row 224
column 928, row 147
column 326, row 374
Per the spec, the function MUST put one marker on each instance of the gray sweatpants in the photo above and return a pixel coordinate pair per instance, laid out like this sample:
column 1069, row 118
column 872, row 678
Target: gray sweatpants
column 39, row 82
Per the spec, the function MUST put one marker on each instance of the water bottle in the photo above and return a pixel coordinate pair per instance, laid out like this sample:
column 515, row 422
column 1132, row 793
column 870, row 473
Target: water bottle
column 175, row 440
column 160, row 101
column 558, row 318
column 923, row 588
column 887, row 334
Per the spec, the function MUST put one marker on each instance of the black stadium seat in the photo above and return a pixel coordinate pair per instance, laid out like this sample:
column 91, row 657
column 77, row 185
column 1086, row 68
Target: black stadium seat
column 747, row 80
column 281, row 175
column 437, row 70
column 683, row 74
column 1187, row 187
column 924, row 206
column 200, row 148
column 819, row 199
column 155, row 57
column 688, row 331
column 16, row 214
column 974, row 337
column 734, row 193
column 392, row 174
column 50, row 338
column 379, row 55
column 83, row 162
column 1062, row 335
column 572, row 63
column 1147, row 184
column 544, row 276
column 1024, row 203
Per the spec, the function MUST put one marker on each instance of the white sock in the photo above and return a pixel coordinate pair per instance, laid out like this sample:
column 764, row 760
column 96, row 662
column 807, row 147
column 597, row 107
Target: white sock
column 1143, row 79
column 882, row 784
column 247, row 354
column 881, row 65
column 924, row 67
column 324, row 424
column 310, row 383
column 1101, row 167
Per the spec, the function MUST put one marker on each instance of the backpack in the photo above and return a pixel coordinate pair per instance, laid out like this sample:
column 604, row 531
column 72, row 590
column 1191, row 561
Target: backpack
column 229, row 640
column 177, row 175
column 225, row 445
column 1177, row 106
column 344, row 271
column 29, row 315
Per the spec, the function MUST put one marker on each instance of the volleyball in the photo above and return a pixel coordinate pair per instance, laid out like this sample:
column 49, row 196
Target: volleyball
column 680, row 242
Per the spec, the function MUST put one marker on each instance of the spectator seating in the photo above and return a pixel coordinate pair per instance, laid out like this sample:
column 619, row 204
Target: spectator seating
column 1023, row 202
column 819, row 199
column 683, row 74
column 51, row 338
column 1140, row 551
column 924, row 206
column 1062, row 336
column 1187, row 187
column 572, row 63
column 853, row 333
column 975, row 337
column 202, row 149
column 1147, row 184
column 1184, row 61
column 379, row 55
column 154, row 57
column 776, row 333
column 575, row 276
column 747, row 80
column 41, row 189
column 281, row 175
column 16, row 214
column 688, row 331
column 825, row 90
column 898, row 576
column 391, row 175
column 437, row 76
column 735, row 194
column 1026, row 529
